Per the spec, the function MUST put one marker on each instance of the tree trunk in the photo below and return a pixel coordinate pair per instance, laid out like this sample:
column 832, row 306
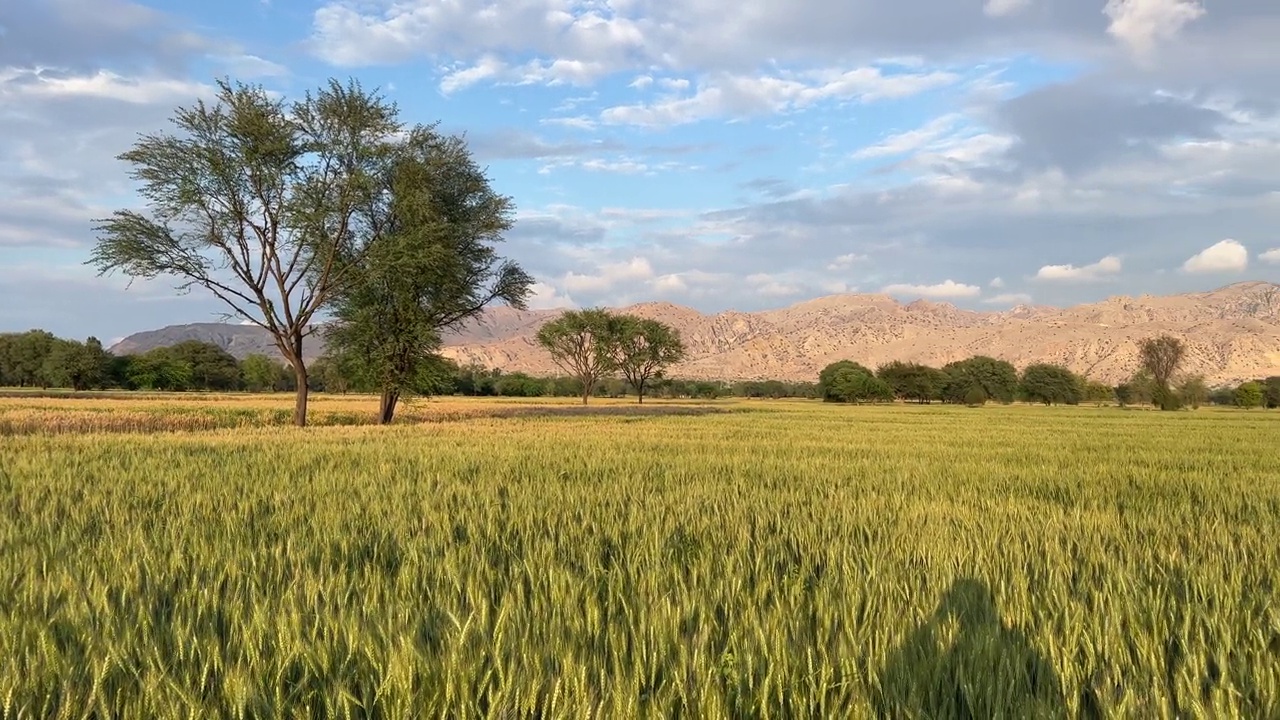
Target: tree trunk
column 586, row 392
column 387, row 406
column 300, row 400
column 640, row 392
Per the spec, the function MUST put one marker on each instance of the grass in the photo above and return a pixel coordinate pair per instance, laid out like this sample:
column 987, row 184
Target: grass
column 778, row 559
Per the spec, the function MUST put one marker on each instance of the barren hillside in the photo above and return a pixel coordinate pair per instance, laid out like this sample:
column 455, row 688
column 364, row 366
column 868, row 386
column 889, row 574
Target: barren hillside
column 1233, row 333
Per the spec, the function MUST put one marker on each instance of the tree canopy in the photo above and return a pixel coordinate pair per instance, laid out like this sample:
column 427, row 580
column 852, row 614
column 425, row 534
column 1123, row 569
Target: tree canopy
column 580, row 342
column 258, row 202
column 643, row 348
column 434, row 270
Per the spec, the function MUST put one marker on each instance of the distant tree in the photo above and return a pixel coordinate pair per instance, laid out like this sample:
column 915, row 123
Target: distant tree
column 435, row 270
column 1249, row 395
column 1098, row 392
column 1049, row 384
column 997, row 378
column 212, row 368
column 1223, row 396
column 643, row 349
column 580, row 342
column 1193, row 391
column 159, row 369
column 1161, row 356
column 913, row 381
column 258, row 203
column 75, row 365
column 858, row 385
column 1271, row 392
column 826, row 378
column 23, row 356
column 259, row 373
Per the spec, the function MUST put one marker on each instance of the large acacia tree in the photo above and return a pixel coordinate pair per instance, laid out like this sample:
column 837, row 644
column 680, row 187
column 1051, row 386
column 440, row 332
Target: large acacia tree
column 581, row 342
column 260, row 202
column 643, row 348
column 435, row 270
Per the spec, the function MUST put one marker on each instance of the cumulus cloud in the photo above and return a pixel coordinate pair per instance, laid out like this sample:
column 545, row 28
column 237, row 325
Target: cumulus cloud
column 1271, row 256
column 996, row 283
column 546, row 297
column 1223, row 256
column 1109, row 265
column 609, row 275
column 1141, row 24
column 948, row 289
column 749, row 95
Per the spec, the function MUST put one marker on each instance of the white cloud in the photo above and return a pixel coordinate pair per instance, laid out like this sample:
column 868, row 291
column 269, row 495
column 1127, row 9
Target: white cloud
column 845, row 261
column 641, row 82
column 546, row 297
column 1001, row 8
column 1271, row 256
column 948, row 289
column 103, row 84
column 609, row 276
column 738, row 96
column 996, row 283
column 1224, row 256
column 1008, row 299
column 1141, row 24
column 909, row 141
column 1108, row 265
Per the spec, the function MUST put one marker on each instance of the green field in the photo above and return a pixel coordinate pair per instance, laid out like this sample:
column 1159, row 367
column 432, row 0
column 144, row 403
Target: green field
column 787, row 559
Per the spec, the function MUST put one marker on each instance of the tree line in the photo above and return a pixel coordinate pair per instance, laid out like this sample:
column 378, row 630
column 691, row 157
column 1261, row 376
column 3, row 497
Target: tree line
column 38, row 359
column 981, row 379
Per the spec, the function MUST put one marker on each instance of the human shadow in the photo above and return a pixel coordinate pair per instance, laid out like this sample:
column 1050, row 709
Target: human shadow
column 963, row 662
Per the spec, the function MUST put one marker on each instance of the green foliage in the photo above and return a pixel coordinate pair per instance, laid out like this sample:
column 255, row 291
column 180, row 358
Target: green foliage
column 643, row 349
column 434, row 270
column 913, row 381
column 1050, row 384
column 778, row 562
column 1098, row 392
column 858, row 385
column 212, row 368
column 160, row 369
column 259, row 373
column 258, row 201
column 1250, row 395
column 23, row 356
column 1271, row 392
column 998, row 379
column 975, row 396
column 581, row 342
column 827, row 378
column 1193, row 391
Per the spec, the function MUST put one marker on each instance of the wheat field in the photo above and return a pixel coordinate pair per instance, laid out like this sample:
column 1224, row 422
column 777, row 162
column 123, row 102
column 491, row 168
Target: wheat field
column 731, row 559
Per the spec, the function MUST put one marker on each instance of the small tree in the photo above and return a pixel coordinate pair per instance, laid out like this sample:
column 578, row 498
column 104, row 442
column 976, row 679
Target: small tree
column 1161, row 356
column 259, row 373
column 581, row 343
column 1193, row 391
column 1249, row 395
column 643, row 348
column 257, row 203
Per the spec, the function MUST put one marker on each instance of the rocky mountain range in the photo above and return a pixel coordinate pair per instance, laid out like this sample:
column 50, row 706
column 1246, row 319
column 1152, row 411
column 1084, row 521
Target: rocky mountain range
column 1232, row 334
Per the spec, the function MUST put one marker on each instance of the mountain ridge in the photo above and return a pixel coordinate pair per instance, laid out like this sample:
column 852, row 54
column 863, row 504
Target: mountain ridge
column 1232, row 334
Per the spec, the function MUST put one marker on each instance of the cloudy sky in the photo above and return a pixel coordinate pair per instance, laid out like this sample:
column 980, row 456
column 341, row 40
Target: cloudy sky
column 746, row 154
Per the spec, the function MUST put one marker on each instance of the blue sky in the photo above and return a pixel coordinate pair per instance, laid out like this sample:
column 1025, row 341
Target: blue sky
column 723, row 155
